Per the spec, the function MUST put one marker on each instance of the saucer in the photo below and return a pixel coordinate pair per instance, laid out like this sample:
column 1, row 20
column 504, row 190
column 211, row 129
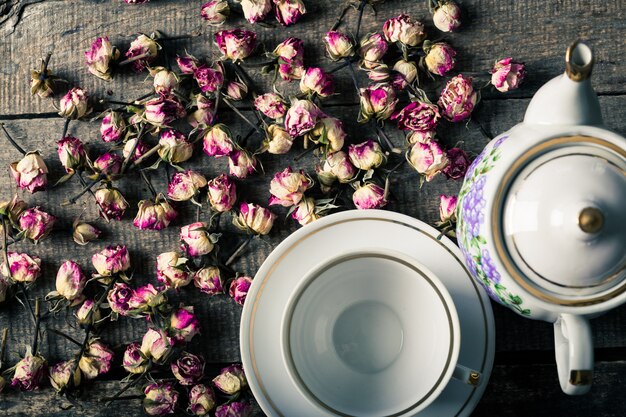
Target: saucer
column 355, row 231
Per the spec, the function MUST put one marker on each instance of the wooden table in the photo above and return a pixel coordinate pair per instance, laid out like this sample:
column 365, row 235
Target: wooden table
column 524, row 380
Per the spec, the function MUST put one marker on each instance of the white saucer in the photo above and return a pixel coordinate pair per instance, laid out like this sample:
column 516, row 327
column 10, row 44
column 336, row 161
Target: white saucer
column 285, row 268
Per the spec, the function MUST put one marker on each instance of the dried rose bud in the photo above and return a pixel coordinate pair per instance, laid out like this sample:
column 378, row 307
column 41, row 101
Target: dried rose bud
column 4, row 286
column 459, row 163
column 22, row 267
column 172, row 271
column 111, row 260
column 222, row 193
column 217, row 141
column 42, row 81
column 112, row 202
column 339, row 165
column 74, row 104
column 290, row 55
column 418, row 115
column 70, row 281
column 328, row 131
column 404, row 30
column 301, row 117
column 366, row 155
column 236, row 90
column 277, row 140
column 447, row 17
column 185, row 185
column 204, row 115
column 36, row 224
column 71, row 153
column 439, row 58
column 209, row 79
column 316, row 81
column 184, row 325
column 113, row 127
column 136, row 1
column 146, row 48
column 458, row 99
column 29, row 372
column 235, row 44
column 188, row 368
column 215, row 12
column 507, row 75
column 288, row 12
column 12, row 209
column 201, row 400
column 428, row 159
column 109, row 164
column 196, row 239
column 160, row 398
column 238, row 290
column 141, row 149
column 379, row 72
column 372, row 49
column 447, row 208
column 377, row 101
column 241, row 163
column 187, row 64
column 287, row 187
column 254, row 219
column 256, row 10
column 231, row 379
column 61, row 374
column 96, row 360
column 234, row 409
column 134, row 361
column 338, row 45
column 175, row 147
column 162, row 111
column 305, row 211
column 156, row 345
column 405, row 74
column 271, row 105
column 119, row 298
column 164, row 81
column 154, row 214
column 423, row 136
column 369, row 196
column 88, row 314
column 146, row 298
column 100, row 58
column 209, row 280
column 30, row 173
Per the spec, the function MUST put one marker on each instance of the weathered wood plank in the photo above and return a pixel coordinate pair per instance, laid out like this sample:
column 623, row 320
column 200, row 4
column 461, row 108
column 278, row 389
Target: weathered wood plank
column 535, row 31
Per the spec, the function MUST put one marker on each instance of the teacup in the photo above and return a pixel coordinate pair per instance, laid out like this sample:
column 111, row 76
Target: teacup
column 372, row 333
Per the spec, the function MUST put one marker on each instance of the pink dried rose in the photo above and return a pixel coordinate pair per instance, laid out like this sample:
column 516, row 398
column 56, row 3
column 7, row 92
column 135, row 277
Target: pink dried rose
column 218, row 141
column 447, row 208
column 338, row 45
column 287, row 187
column 71, row 153
column 112, row 202
column 74, row 104
column 507, row 75
column 234, row 409
column 241, row 163
column 458, row 99
column 428, row 159
column 36, row 224
column 84, row 233
column 215, row 12
column 372, row 49
column 22, row 267
column 184, row 325
column 119, row 298
column 70, row 281
column 447, row 16
column 459, row 163
column 88, row 313
column 337, row 166
column 188, row 369
column 288, row 12
column 277, row 140
column 236, row 90
column 404, row 30
column 201, row 400
column 404, row 73
column 100, row 58
column 305, row 211
column 61, row 375
column 196, row 239
column 111, row 260
column 209, row 280
column 30, row 173
column 366, row 155
column 254, row 219
column 316, row 81
column 96, row 360
column 439, row 58
column 140, row 149
column 146, row 298
column 418, row 115
column 204, row 115
column 231, row 379
column 235, row 44
column 174, row 147
column 134, row 361
column 222, row 193
column 29, row 372
column 256, row 10
column 423, row 136
column 369, row 196
column 13, row 208
column 160, row 398
column 164, row 81
column 136, row 1
column 156, row 345
column 185, row 185
column 328, row 131
column 377, row 101
column 378, row 72
column 271, row 105
column 238, row 289
column 209, row 79
column 172, row 270
column 290, row 55
column 154, row 214
column 109, row 164
column 301, row 117
column 143, row 50
column 162, row 111
column 187, row 64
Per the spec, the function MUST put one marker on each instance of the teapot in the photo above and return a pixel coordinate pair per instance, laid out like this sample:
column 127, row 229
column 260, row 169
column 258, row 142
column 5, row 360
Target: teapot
column 542, row 218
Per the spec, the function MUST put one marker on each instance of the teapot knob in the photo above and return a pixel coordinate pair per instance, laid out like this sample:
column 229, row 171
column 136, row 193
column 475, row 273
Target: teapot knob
column 578, row 61
column 590, row 220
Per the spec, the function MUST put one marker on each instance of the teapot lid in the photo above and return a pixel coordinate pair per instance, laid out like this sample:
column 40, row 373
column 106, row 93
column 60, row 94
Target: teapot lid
column 564, row 220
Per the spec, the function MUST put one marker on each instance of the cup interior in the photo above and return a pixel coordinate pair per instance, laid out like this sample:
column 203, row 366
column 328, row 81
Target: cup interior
column 370, row 334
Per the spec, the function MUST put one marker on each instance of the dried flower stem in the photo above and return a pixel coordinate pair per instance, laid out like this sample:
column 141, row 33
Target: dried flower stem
column 239, row 250
column 100, row 208
column 245, row 77
column 15, row 145
column 3, row 345
column 121, row 103
column 481, row 128
column 133, row 150
column 126, row 387
column 37, row 324
column 239, row 113
column 147, row 155
column 306, row 152
column 385, row 138
column 358, row 25
column 145, row 178
column 133, row 59
column 341, row 16
column 66, row 126
column 66, row 336
column 88, row 187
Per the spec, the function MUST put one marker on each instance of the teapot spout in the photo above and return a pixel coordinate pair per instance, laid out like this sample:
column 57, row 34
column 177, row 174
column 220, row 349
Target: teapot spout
column 569, row 98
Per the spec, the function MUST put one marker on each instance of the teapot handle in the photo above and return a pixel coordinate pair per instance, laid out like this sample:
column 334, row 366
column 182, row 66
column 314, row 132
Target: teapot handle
column 574, row 353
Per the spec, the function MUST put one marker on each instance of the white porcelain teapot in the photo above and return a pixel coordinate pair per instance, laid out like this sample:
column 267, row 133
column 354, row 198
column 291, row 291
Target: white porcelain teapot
column 542, row 216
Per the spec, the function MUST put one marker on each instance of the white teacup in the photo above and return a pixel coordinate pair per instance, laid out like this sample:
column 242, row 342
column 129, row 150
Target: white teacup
column 372, row 333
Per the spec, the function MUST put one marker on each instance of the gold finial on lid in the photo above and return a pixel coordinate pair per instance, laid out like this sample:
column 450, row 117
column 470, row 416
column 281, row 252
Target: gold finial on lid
column 590, row 220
